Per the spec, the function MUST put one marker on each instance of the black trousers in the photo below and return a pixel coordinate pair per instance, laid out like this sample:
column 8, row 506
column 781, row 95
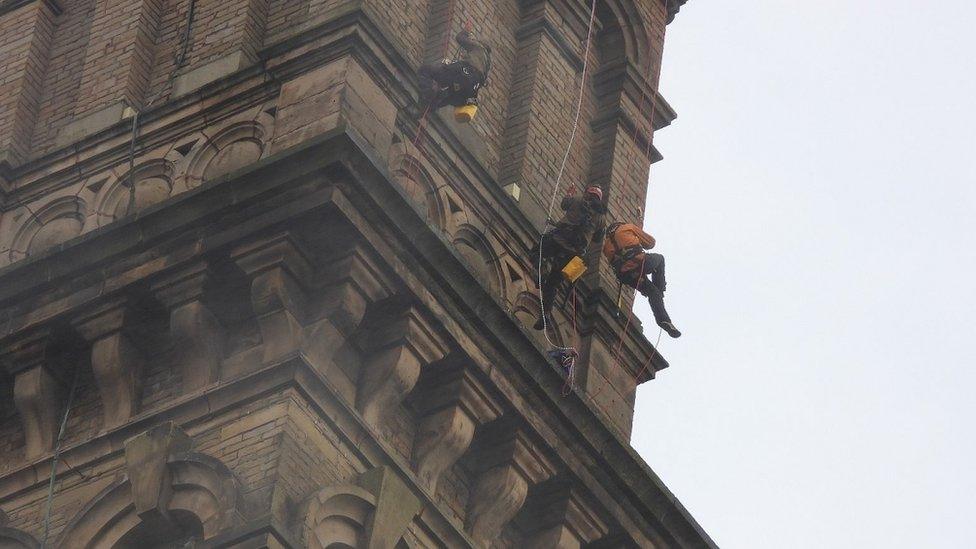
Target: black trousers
column 454, row 84
column 557, row 256
column 649, row 280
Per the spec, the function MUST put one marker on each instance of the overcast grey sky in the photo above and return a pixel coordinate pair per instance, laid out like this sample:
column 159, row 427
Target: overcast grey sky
column 816, row 208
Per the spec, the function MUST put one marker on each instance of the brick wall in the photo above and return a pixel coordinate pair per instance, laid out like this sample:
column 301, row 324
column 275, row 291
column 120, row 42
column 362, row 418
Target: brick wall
column 25, row 38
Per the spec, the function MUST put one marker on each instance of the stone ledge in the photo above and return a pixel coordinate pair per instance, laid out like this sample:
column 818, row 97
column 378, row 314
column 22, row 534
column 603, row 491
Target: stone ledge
column 291, row 373
column 92, row 123
column 620, row 468
column 213, row 71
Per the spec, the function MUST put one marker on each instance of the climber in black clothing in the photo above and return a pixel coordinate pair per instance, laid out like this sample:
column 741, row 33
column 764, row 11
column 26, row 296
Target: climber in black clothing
column 581, row 225
column 456, row 83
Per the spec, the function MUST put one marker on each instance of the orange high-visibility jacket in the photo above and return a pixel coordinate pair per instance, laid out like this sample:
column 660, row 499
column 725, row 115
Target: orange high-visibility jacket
column 627, row 236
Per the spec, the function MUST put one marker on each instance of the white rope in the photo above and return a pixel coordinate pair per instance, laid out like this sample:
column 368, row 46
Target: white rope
column 562, row 168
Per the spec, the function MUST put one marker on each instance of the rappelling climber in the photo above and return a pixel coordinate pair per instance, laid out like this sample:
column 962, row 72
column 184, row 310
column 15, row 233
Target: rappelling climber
column 457, row 82
column 564, row 247
column 624, row 247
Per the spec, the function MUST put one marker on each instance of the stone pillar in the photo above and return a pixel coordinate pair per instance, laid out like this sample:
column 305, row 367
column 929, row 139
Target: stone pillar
column 556, row 516
column 278, row 269
column 452, row 404
column 23, row 63
column 399, row 341
column 116, row 362
column 508, row 464
column 196, row 334
column 340, row 95
column 38, row 393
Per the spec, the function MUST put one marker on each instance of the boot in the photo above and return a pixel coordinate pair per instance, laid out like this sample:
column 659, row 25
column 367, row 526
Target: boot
column 668, row 327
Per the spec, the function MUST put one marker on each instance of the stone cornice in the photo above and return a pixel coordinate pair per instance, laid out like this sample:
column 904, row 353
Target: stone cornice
column 571, row 426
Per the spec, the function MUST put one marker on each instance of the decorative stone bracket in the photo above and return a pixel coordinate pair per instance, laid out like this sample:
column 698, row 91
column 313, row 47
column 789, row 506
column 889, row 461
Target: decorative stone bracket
column 398, row 342
column 166, row 486
column 509, row 464
column 146, row 457
column 452, row 404
column 116, row 362
column 353, row 281
column 278, row 269
column 373, row 514
column 38, row 394
column 196, row 334
column 556, row 516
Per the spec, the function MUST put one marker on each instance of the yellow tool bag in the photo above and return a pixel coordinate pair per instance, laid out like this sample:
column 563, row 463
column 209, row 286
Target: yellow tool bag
column 574, row 269
column 465, row 113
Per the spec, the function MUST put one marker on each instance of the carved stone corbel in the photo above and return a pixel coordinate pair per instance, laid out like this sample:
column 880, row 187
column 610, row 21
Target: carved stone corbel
column 278, row 269
column 116, row 362
column 196, row 334
column 38, row 394
column 146, row 457
column 509, row 465
column 352, row 282
column 452, row 404
column 555, row 516
column 372, row 514
column 400, row 342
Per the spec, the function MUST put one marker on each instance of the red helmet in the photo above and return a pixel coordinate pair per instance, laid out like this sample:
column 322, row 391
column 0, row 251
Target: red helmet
column 595, row 191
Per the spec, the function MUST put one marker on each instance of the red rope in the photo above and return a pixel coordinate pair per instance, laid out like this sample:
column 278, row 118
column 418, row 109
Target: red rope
column 571, row 374
column 422, row 126
column 614, row 356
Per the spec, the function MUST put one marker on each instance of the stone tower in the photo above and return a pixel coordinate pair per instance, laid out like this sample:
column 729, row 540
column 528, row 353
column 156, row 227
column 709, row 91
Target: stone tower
column 251, row 297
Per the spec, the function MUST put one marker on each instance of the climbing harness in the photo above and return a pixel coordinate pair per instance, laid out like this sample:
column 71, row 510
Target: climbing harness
column 422, row 125
column 630, row 313
column 559, row 176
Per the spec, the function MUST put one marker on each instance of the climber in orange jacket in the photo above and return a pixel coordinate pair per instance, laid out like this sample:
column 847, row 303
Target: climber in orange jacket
column 624, row 247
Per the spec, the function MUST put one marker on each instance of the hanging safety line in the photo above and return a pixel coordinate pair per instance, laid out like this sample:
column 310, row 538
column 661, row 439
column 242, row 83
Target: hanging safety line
column 559, row 176
column 178, row 62
column 615, row 351
column 422, row 125
column 55, row 459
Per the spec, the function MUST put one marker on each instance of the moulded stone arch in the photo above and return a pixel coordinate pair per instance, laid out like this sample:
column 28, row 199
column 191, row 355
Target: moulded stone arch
column 240, row 141
column 57, row 221
column 622, row 32
column 202, row 502
column 526, row 308
column 418, row 183
column 11, row 538
column 480, row 255
column 153, row 183
column 337, row 517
